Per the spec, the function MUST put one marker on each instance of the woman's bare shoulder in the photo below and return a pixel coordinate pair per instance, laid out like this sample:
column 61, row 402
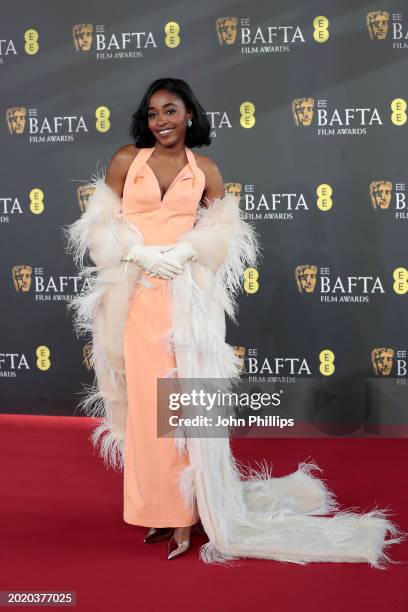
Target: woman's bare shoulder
column 118, row 167
column 205, row 163
column 214, row 182
column 125, row 154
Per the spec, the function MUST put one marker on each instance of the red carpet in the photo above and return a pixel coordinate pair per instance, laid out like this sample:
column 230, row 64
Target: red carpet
column 61, row 528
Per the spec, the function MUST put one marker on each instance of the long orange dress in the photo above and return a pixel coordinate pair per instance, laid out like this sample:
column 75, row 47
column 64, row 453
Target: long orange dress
column 151, row 465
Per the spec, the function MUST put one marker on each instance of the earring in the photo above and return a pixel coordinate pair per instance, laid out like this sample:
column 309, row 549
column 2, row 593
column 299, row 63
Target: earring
column 189, row 123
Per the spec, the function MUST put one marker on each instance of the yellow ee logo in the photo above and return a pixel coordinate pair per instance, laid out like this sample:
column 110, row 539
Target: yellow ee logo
column 247, row 110
column 324, row 194
column 251, row 284
column 321, row 32
column 36, row 201
column 43, row 358
column 172, row 31
column 31, row 45
column 398, row 107
column 400, row 276
column 102, row 115
column 326, row 359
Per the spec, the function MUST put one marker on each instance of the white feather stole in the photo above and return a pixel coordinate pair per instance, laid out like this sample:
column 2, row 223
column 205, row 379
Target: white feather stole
column 246, row 512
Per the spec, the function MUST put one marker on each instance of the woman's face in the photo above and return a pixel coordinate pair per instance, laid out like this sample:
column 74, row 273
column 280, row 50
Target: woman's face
column 167, row 117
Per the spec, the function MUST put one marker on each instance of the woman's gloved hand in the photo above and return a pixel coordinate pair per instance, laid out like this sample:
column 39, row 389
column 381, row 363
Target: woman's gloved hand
column 180, row 253
column 152, row 259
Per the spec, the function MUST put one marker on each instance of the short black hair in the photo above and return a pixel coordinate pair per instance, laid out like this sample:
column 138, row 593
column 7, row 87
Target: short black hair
column 196, row 136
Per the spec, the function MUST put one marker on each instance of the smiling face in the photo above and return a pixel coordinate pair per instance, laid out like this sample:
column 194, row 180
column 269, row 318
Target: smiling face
column 167, row 117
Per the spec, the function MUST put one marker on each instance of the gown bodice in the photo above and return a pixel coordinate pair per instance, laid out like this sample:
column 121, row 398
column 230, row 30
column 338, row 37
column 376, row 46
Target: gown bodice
column 162, row 220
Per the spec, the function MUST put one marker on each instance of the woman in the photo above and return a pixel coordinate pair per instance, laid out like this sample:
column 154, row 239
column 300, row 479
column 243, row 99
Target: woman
column 161, row 187
column 166, row 272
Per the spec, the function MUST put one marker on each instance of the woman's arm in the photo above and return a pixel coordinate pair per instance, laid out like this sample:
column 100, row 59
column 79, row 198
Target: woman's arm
column 118, row 168
column 101, row 229
column 214, row 183
column 222, row 233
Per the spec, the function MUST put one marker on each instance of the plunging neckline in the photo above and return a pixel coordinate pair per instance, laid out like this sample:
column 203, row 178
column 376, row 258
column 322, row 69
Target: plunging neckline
column 174, row 179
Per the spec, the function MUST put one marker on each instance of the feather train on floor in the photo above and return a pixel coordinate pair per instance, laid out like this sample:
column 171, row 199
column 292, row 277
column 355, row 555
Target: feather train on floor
column 246, row 512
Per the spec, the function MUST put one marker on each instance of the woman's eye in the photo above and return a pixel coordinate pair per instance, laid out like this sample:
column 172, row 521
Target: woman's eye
column 151, row 115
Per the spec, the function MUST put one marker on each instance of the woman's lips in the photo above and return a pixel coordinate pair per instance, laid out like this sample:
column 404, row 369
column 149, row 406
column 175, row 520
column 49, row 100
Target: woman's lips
column 166, row 133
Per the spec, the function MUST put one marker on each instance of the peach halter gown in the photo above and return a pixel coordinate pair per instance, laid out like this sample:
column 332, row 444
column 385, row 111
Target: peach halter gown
column 151, row 465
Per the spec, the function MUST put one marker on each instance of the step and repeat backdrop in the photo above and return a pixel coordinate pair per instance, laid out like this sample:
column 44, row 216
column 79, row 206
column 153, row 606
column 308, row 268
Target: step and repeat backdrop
column 308, row 107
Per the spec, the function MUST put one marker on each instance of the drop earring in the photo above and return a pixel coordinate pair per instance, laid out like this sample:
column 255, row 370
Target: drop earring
column 189, row 123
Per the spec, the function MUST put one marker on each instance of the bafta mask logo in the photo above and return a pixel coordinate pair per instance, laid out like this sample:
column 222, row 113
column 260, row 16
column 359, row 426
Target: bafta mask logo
column 226, row 28
column 380, row 194
column 82, row 35
column 382, row 359
column 239, row 351
column 377, row 24
column 306, row 277
column 302, row 110
column 87, row 356
column 235, row 189
column 21, row 276
column 16, row 119
column 84, row 192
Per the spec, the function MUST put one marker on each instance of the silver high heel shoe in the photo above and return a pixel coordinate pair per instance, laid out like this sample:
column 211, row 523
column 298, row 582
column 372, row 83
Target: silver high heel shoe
column 158, row 534
column 174, row 549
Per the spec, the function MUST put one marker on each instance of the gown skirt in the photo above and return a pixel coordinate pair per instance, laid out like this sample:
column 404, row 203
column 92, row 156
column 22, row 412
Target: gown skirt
column 151, row 492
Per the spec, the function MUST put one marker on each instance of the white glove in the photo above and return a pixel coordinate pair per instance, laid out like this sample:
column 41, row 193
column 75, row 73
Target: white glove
column 180, row 253
column 151, row 259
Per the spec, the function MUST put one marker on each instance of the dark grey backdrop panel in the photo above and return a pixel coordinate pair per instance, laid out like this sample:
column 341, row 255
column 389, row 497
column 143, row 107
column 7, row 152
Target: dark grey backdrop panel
column 229, row 52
